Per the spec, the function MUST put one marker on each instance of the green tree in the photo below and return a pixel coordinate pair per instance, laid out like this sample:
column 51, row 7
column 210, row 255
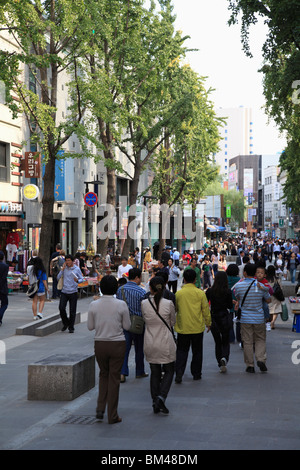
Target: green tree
column 48, row 35
column 183, row 167
column 123, row 86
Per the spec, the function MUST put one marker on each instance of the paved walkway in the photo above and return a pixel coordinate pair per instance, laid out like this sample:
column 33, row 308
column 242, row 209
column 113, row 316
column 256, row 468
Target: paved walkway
column 234, row 411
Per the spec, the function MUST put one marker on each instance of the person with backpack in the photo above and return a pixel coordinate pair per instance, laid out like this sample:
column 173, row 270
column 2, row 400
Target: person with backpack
column 55, row 267
column 52, row 274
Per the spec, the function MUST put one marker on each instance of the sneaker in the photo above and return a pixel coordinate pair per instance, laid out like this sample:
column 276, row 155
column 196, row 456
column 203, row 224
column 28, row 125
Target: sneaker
column 35, row 317
column 223, row 365
column 40, row 316
column 250, row 370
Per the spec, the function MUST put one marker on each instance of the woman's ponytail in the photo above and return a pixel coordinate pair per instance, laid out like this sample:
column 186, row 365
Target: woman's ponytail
column 157, row 286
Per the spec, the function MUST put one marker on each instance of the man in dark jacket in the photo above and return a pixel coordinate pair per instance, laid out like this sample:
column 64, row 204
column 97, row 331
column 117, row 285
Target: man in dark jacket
column 3, row 286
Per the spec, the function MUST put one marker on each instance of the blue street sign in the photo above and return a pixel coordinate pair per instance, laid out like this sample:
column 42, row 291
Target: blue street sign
column 90, row 199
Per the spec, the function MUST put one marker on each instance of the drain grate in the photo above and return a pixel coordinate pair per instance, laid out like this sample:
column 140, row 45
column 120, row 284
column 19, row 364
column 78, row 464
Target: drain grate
column 79, row 420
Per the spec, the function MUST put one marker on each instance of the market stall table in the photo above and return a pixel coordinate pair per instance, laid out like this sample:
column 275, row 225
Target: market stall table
column 295, row 308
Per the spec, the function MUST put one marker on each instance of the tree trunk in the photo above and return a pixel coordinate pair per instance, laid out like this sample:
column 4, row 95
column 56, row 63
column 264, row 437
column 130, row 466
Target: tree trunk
column 111, row 200
column 47, row 215
column 132, row 200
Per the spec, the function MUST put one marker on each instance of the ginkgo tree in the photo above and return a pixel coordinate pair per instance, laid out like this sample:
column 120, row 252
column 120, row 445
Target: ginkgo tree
column 47, row 35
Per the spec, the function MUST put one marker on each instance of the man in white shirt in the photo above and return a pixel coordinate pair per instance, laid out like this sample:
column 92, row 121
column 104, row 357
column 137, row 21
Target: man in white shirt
column 123, row 268
column 175, row 256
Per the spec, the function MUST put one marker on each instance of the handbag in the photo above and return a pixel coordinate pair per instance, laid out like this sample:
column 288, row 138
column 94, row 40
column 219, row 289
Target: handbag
column 277, row 292
column 137, row 321
column 162, row 319
column 239, row 312
column 32, row 289
column 284, row 313
column 60, row 283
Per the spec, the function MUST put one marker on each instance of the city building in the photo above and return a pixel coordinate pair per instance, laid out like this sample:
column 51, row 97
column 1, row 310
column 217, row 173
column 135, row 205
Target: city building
column 272, row 206
column 245, row 174
column 237, row 136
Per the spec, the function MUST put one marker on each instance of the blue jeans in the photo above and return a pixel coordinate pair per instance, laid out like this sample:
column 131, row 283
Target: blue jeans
column 293, row 275
column 138, row 341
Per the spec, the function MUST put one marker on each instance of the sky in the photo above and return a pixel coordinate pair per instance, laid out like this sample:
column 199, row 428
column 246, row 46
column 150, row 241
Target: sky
column 220, row 58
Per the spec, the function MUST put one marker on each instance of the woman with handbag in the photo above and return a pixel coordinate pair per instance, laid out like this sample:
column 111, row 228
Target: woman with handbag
column 40, row 296
column 275, row 306
column 220, row 298
column 159, row 343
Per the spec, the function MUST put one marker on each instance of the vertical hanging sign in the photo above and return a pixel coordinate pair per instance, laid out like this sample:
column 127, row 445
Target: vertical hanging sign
column 32, row 165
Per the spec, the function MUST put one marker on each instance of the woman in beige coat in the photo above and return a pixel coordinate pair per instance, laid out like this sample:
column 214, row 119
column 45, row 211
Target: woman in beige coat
column 159, row 343
column 275, row 306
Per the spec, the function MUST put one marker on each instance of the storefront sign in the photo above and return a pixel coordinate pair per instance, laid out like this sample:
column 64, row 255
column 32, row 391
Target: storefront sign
column 11, row 208
column 31, row 191
column 32, row 165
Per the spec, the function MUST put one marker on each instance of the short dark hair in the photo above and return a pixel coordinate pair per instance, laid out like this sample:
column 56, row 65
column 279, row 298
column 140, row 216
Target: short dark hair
column 108, row 285
column 189, row 275
column 232, row 270
column 250, row 269
column 69, row 257
column 133, row 273
column 1, row 255
column 163, row 275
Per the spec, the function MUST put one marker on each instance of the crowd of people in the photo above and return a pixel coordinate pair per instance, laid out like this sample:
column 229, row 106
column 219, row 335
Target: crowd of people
column 234, row 300
column 167, row 316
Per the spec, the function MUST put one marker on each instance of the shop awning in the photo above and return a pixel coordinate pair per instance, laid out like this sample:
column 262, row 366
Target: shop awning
column 215, row 228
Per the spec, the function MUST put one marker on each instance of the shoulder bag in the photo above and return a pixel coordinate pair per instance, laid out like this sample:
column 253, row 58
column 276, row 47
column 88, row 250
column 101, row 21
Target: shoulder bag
column 137, row 321
column 239, row 312
column 162, row 319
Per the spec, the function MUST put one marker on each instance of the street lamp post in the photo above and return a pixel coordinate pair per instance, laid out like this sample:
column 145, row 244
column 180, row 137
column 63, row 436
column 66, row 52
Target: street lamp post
column 89, row 220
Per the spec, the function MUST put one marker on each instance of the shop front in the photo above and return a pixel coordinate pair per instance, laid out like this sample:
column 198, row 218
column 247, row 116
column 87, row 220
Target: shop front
column 11, row 228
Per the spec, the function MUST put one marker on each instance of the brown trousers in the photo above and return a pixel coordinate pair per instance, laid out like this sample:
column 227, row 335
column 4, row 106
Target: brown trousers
column 254, row 342
column 110, row 356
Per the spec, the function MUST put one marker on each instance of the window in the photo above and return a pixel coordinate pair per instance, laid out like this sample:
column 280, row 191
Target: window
column 32, row 81
column 3, row 162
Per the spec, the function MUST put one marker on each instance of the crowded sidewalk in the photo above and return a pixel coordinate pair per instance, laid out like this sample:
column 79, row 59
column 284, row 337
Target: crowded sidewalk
column 221, row 411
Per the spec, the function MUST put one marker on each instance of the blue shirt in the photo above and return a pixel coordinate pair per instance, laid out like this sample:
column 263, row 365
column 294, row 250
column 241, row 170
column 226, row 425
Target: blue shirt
column 134, row 295
column 252, row 309
column 42, row 276
column 70, row 285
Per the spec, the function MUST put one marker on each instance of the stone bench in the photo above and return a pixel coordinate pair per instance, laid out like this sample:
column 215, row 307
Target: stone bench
column 61, row 377
column 49, row 324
